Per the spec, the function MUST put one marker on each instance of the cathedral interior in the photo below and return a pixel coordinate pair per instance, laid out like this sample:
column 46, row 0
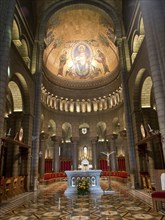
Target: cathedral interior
column 82, row 87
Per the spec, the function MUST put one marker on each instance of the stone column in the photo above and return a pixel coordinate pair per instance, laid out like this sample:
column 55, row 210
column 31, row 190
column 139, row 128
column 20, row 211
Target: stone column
column 113, row 148
column 43, row 139
column 27, row 123
column 94, row 154
column 75, row 154
column 128, row 118
column 56, row 156
column 53, row 139
column 37, row 113
column 6, row 20
column 153, row 17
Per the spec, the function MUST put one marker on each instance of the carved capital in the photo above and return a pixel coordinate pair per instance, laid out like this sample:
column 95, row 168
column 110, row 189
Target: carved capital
column 44, row 136
column 123, row 133
column 54, row 138
column 114, row 136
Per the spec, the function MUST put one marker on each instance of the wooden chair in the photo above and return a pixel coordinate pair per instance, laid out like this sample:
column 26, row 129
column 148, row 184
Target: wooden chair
column 2, row 192
column 15, row 187
column 144, row 182
column 8, row 188
column 21, row 184
column 157, row 197
column 148, row 181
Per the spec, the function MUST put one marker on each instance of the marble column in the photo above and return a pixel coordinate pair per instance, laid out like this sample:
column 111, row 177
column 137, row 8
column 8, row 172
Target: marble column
column 128, row 120
column 43, row 139
column 56, row 155
column 37, row 112
column 75, row 153
column 27, row 124
column 113, row 158
column 7, row 9
column 94, row 154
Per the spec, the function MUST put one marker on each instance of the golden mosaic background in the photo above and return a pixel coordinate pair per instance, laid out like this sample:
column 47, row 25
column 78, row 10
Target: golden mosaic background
column 75, row 26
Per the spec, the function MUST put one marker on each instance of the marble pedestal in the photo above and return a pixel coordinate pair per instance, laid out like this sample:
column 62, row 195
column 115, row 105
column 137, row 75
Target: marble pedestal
column 74, row 175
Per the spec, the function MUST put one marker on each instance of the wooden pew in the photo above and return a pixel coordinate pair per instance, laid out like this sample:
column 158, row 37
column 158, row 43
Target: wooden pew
column 2, row 192
column 15, row 186
column 8, row 188
column 21, row 184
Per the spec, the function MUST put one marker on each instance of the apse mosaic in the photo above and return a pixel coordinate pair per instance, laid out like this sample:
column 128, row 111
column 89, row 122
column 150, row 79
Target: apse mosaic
column 80, row 44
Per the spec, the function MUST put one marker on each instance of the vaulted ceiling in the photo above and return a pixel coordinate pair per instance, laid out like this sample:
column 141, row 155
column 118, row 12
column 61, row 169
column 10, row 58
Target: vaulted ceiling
column 80, row 44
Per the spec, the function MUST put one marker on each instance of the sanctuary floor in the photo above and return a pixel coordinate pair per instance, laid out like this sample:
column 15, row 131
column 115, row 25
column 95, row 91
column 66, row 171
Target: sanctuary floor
column 51, row 204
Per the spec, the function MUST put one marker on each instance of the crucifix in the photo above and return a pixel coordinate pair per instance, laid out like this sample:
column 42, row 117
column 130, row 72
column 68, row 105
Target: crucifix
column 108, row 162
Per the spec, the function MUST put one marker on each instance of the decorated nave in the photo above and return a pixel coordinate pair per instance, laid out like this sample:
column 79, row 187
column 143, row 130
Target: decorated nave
column 82, row 109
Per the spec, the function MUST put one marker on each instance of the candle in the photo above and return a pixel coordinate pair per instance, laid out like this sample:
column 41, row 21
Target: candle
column 149, row 127
column 9, row 132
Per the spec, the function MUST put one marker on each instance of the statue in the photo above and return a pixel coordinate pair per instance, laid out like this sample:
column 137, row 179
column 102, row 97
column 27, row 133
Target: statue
column 108, row 162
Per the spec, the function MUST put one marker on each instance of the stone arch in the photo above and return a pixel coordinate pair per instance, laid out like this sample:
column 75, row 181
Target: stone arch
column 115, row 124
column 109, row 10
column 137, row 39
column 140, row 110
column 52, row 127
column 141, row 31
column 24, row 51
column 146, row 93
column 84, row 125
column 134, row 45
column 141, row 27
column 15, row 33
column 138, row 86
column 27, row 99
column 101, row 130
column 67, row 132
column 84, row 128
column 55, row 7
column 16, row 96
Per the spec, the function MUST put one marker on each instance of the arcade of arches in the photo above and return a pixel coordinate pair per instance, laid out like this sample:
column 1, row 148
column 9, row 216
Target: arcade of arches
column 79, row 78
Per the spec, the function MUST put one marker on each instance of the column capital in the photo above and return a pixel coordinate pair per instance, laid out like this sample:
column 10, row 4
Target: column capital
column 54, row 138
column 44, row 136
column 123, row 133
column 108, row 137
column 114, row 136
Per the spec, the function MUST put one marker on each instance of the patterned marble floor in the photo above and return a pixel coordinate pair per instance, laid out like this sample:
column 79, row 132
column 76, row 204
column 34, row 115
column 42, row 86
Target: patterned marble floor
column 51, row 203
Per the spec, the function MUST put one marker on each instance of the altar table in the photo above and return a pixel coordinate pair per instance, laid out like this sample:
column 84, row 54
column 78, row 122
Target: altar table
column 92, row 175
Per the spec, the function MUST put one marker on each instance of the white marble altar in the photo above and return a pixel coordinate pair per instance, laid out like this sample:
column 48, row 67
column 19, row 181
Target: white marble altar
column 92, row 175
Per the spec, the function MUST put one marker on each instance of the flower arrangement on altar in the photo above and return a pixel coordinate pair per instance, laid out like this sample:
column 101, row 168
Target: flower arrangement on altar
column 83, row 186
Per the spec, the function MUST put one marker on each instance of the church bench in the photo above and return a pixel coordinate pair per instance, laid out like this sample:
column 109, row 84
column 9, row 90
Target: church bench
column 157, row 196
column 11, row 186
column 2, row 189
column 51, row 177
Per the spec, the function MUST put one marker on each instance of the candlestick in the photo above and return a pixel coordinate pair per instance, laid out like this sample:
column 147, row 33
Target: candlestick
column 9, row 132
